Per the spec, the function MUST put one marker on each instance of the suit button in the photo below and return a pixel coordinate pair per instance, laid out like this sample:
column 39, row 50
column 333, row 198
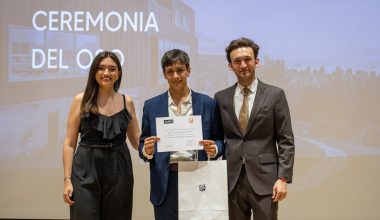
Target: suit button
column 242, row 159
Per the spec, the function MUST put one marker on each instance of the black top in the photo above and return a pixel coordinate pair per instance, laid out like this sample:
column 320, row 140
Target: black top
column 99, row 129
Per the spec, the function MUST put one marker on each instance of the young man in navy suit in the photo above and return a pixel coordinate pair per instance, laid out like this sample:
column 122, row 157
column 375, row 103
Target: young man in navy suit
column 178, row 101
column 258, row 136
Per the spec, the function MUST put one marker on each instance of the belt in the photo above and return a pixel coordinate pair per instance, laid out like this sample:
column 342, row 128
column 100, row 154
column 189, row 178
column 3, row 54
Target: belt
column 173, row 167
column 105, row 145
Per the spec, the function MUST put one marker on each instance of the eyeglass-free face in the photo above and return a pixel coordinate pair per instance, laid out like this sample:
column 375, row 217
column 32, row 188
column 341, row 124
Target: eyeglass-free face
column 176, row 75
column 107, row 73
column 243, row 64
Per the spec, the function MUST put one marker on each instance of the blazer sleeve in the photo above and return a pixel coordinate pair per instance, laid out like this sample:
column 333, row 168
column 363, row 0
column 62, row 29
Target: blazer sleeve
column 145, row 131
column 284, row 138
column 217, row 130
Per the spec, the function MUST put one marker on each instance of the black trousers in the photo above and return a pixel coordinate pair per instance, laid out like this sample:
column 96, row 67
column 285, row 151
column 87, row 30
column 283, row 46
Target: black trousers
column 102, row 179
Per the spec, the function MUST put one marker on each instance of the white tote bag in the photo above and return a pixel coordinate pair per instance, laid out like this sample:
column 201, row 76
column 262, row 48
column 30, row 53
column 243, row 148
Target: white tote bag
column 202, row 190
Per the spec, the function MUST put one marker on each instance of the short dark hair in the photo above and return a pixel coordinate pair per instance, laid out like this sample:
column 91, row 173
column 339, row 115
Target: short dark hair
column 174, row 56
column 241, row 42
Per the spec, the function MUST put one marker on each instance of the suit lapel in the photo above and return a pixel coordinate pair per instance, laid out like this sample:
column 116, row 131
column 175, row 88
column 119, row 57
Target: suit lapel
column 258, row 103
column 162, row 111
column 196, row 103
column 162, row 108
column 230, row 106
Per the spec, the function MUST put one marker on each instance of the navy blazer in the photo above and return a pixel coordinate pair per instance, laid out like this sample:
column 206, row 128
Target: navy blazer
column 159, row 165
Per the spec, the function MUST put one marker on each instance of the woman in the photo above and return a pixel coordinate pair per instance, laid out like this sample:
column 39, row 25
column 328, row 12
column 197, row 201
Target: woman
column 98, row 178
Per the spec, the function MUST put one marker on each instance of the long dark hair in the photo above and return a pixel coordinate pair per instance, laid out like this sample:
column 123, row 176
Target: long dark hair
column 89, row 101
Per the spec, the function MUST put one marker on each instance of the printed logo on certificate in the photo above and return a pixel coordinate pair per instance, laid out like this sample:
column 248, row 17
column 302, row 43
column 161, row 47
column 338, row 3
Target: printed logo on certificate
column 179, row 133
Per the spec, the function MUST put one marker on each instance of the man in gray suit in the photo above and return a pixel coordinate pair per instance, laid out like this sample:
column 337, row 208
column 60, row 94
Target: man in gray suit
column 258, row 136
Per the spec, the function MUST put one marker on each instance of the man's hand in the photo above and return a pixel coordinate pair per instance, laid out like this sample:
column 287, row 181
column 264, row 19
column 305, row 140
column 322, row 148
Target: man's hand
column 209, row 146
column 149, row 143
column 280, row 190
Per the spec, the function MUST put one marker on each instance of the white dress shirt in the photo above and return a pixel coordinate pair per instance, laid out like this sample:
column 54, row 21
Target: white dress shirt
column 184, row 109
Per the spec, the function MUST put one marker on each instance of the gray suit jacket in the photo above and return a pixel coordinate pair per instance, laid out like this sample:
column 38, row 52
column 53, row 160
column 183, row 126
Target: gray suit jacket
column 267, row 146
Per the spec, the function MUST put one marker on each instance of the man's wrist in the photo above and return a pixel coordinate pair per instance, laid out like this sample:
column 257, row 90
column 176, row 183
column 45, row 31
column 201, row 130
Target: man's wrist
column 148, row 156
column 216, row 152
column 283, row 179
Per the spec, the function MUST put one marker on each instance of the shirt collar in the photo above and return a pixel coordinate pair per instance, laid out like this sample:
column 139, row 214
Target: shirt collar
column 252, row 87
column 187, row 100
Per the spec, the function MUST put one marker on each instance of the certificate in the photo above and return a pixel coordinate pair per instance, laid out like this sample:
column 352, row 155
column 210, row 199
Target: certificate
column 179, row 133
